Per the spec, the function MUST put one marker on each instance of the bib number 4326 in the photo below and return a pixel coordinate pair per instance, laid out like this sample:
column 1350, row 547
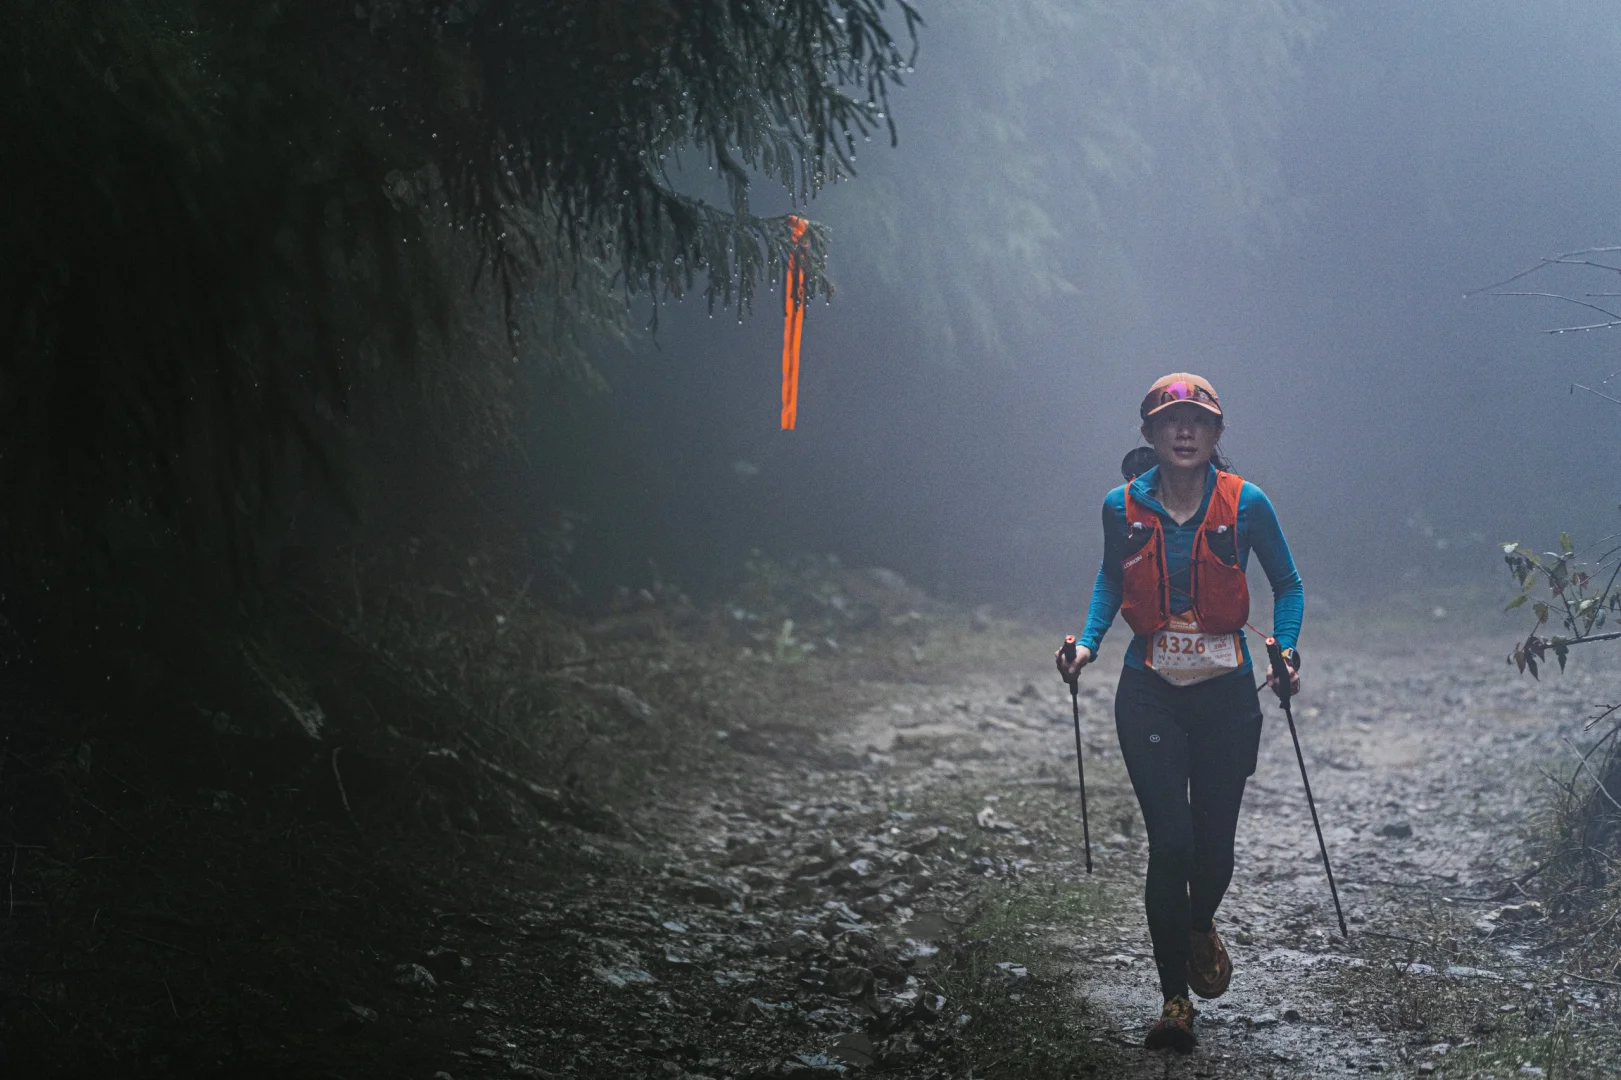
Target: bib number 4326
column 1181, row 645
column 1183, row 654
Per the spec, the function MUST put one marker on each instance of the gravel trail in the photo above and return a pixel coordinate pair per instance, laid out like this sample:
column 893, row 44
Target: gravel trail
column 1424, row 770
column 803, row 905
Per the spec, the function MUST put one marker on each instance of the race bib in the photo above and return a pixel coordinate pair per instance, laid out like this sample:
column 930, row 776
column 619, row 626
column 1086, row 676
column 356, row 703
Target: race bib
column 1182, row 654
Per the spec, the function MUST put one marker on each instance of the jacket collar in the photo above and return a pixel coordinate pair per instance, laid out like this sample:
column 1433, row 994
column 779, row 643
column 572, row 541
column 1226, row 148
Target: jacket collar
column 1142, row 491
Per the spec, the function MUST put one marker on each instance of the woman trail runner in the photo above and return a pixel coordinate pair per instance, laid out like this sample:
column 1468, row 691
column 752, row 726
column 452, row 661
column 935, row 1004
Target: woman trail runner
column 1176, row 541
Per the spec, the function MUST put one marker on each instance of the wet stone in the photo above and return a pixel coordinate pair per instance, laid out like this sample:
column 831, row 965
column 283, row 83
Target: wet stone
column 841, row 912
column 756, row 877
column 415, row 978
column 853, row 871
column 713, row 893
column 923, row 840
column 807, row 1067
column 755, row 1009
column 446, row 963
column 858, row 941
column 850, row 982
column 889, row 974
column 854, row 1049
column 917, row 954
column 624, row 701
column 621, row 977
column 898, row 1050
column 747, row 853
column 908, row 863
column 843, row 758
column 799, row 944
column 875, row 905
column 988, row 820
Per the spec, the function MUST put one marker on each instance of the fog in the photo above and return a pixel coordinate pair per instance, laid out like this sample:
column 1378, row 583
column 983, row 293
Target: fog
column 331, row 746
column 1290, row 199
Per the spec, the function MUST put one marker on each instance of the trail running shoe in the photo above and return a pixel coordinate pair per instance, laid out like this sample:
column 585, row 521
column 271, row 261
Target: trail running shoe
column 1210, row 969
column 1174, row 1031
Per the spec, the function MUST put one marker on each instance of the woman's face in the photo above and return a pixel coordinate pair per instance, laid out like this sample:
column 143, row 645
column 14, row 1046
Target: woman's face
column 1184, row 436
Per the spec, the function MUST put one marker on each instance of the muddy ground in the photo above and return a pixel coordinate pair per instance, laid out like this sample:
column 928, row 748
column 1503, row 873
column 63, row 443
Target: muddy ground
column 879, row 870
column 903, row 891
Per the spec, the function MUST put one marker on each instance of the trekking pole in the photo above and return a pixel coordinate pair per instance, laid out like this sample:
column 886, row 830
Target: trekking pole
column 1080, row 762
column 1282, row 679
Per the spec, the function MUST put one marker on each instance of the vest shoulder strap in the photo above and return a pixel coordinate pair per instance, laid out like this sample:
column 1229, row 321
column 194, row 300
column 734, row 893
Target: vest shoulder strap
column 1223, row 509
column 1135, row 511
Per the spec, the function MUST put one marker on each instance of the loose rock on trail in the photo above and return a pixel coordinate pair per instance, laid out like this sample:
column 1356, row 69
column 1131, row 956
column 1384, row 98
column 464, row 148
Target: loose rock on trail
column 888, row 892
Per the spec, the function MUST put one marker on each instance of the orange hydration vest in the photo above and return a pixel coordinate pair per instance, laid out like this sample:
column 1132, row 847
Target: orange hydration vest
column 1221, row 595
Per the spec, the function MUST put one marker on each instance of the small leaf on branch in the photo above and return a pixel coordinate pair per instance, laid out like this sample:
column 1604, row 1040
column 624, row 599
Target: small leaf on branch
column 1518, row 601
column 1541, row 608
column 1560, row 651
column 1564, row 543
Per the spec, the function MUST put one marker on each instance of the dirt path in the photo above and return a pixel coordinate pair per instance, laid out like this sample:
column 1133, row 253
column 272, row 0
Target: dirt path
column 810, row 912
column 1423, row 776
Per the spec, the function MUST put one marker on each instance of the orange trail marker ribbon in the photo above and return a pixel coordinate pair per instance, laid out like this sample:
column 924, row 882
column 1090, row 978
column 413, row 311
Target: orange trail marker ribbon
column 793, row 316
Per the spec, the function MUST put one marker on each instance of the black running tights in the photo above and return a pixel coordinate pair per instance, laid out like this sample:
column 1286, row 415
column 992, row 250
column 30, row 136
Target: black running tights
column 1189, row 750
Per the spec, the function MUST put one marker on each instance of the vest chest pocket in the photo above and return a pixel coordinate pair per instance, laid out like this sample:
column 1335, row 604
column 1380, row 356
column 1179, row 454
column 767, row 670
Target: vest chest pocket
column 1138, row 536
column 1222, row 542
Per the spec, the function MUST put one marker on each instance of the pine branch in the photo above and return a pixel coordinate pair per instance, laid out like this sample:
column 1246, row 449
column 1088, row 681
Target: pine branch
column 239, row 235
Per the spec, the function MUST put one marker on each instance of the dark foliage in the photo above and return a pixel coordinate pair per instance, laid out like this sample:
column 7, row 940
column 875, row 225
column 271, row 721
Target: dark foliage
column 237, row 234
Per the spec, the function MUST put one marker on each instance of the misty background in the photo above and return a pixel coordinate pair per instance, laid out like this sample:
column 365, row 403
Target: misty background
column 1290, row 198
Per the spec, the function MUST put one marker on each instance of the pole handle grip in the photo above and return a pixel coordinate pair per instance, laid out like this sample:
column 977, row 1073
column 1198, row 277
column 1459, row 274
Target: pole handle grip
column 1282, row 676
column 1068, row 653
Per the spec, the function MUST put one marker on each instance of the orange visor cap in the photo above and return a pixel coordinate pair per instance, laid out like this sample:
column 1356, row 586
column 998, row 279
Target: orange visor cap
column 1177, row 388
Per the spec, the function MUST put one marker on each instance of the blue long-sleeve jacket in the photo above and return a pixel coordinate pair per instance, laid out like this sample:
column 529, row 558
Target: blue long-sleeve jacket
column 1257, row 530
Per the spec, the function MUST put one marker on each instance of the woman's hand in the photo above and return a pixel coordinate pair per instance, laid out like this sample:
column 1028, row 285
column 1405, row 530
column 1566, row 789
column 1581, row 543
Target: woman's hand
column 1294, row 680
column 1071, row 671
